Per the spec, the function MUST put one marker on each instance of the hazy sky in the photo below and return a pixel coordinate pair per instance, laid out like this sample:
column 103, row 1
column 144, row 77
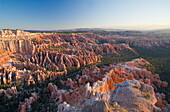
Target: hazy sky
column 65, row 14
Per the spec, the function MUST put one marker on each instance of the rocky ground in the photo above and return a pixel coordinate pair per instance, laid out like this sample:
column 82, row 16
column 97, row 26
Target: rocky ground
column 64, row 72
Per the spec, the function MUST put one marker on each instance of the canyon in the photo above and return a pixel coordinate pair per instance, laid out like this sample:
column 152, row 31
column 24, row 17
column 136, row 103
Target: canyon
column 67, row 72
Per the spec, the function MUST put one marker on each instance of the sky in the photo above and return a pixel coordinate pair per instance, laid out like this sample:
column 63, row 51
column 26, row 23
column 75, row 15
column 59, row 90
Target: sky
column 69, row 14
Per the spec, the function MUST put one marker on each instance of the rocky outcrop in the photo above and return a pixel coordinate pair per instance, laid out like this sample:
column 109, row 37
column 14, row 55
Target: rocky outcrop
column 72, row 95
column 26, row 105
column 130, row 95
column 107, row 82
column 18, row 46
column 7, row 76
column 134, row 69
column 99, row 82
column 103, row 106
column 56, row 61
column 16, row 41
column 94, row 83
column 21, row 77
column 8, row 92
column 28, row 66
column 76, row 44
column 147, row 40
column 4, row 56
column 126, row 86
column 161, row 102
column 13, row 33
column 134, row 96
column 96, row 106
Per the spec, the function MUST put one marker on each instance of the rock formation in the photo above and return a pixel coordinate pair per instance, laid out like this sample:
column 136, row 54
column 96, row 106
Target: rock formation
column 18, row 46
column 4, row 56
column 134, row 96
column 26, row 105
column 142, row 40
column 56, row 61
column 13, row 33
column 130, row 95
column 8, row 92
column 64, row 69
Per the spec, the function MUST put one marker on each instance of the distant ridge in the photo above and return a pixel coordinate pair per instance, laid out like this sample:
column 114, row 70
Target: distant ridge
column 157, row 31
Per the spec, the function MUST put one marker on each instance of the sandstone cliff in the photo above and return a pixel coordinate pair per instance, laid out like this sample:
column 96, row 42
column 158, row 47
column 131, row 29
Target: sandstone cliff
column 13, row 33
column 18, row 46
column 65, row 70
column 130, row 95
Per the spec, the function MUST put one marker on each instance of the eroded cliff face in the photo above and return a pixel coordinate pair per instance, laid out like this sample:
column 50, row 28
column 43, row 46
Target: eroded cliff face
column 130, row 95
column 110, row 88
column 16, row 41
column 46, row 60
column 54, row 53
column 13, row 33
column 146, row 40
column 134, row 96
column 18, row 46
column 4, row 56
column 103, row 84
column 26, row 105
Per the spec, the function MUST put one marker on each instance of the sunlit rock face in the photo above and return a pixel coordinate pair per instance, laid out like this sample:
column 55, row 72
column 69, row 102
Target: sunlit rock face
column 116, row 73
column 65, row 68
column 16, row 41
column 13, row 33
column 143, row 41
column 17, row 46
column 134, row 96
column 4, row 56
column 58, row 61
column 130, row 95
column 112, row 84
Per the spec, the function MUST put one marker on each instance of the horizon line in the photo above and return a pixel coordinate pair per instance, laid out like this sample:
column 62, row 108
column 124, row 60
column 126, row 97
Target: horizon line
column 88, row 28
